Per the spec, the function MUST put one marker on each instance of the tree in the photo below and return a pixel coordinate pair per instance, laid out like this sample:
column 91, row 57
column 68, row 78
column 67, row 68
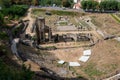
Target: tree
column 35, row 2
column 102, row 5
column 119, row 6
column 114, row 5
column 95, row 5
column 66, row 3
column 57, row 2
column 25, row 2
column 46, row 2
column 1, row 19
column 5, row 3
column 84, row 4
column 16, row 1
column 109, row 5
column 71, row 3
column 89, row 4
column 8, row 72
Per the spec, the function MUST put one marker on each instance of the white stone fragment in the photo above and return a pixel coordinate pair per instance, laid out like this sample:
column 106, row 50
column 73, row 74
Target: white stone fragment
column 84, row 58
column 61, row 62
column 87, row 52
column 74, row 64
column 118, row 39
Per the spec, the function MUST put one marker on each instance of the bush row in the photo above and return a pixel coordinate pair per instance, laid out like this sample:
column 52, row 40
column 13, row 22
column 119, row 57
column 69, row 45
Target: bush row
column 111, row 5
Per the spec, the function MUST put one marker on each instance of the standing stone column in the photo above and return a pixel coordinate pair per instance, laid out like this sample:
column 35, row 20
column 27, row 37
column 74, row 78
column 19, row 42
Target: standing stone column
column 41, row 23
column 50, row 35
column 40, row 29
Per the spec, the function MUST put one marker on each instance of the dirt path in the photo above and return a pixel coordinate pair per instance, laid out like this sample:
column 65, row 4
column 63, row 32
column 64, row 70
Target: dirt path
column 31, row 21
column 73, row 32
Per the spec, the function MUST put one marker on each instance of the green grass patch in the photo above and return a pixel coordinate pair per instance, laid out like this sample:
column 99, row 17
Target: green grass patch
column 57, row 12
column 92, row 71
column 64, row 13
column 84, row 23
column 115, row 17
column 38, row 11
column 63, row 23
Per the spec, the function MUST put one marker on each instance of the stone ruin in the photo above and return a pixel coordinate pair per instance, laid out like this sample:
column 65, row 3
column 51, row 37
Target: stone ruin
column 63, row 22
column 68, row 37
column 62, row 18
column 42, row 31
column 44, row 34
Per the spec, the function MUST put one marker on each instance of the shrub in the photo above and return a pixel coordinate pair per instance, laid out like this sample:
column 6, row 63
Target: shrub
column 3, row 35
column 1, row 18
column 11, row 73
column 119, row 5
column 19, row 10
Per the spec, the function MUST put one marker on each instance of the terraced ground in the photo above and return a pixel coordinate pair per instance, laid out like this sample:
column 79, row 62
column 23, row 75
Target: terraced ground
column 104, row 60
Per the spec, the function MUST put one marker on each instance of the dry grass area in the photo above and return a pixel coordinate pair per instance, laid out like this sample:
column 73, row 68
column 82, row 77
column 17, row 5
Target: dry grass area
column 68, row 55
column 106, row 23
column 106, row 54
column 104, row 60
column 106, row 51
